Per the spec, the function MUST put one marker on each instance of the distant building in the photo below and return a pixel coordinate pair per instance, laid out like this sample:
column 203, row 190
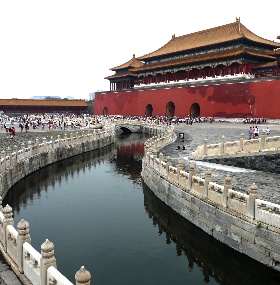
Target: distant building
column 91, row 96
column 31, row 106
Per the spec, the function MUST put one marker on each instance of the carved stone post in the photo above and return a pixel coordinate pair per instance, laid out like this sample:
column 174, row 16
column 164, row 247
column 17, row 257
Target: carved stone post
column 154, row 157
column 168, row 163
column 23, row 236
column 241, row 142
column 227, row 186
column 205, row 143
column 15, row 149
column 180, row 167
column 82, row 277
column 254, row 194
column 208, row 178
column 29, row 144
column 222, row 146
column 58, row 138
column 191, row 174
column 263, row 137
column 47, row 260
column 45, row 144
column 160, row 157
column 3, row 154
column 1, row 206
column 22, row 145
column 8, row 220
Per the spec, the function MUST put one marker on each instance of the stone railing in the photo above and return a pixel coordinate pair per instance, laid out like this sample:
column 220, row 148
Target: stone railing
column 241, row 220
column 39, row 268
column 33, row 267
column 237, row 148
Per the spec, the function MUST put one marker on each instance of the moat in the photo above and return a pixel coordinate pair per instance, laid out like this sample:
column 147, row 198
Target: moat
column 97, row 212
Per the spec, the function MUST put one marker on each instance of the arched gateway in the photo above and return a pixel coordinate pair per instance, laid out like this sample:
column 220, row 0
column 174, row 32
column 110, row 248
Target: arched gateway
column 170, row 109
column 105, row 111
column 149, row 110
column 195, row 110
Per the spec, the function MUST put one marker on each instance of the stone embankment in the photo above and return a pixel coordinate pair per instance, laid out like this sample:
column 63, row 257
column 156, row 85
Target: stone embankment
column 240, row 220
column 17, row 160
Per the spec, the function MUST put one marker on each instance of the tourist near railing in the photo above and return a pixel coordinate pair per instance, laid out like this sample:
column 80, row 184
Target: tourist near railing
column 241, row 147
column 39, row 268
column 234, row 216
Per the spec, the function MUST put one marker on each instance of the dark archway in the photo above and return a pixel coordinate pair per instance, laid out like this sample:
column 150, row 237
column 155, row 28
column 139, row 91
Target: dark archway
column 170, row 109
column 149, row 110
column 195, row 110
column 105, row 111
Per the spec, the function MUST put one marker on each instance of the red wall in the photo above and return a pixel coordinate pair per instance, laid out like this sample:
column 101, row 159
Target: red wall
column 256, row 99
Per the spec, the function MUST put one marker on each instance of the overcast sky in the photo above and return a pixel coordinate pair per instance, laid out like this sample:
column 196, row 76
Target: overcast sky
column 66, row 47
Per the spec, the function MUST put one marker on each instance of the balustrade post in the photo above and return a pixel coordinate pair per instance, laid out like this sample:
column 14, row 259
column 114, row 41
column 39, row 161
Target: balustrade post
column 58, row 139
column 222, row 146
column 3, row 154
column 227, row 186
column 22, row 145
column 82, row 277
column 1, row 206
column 180, row 167
column 47, row 260
column 154, row 152
column 208, row 178
column 168, row 163
column 8, row 220
column 29, row 144
column 45, row 144
column 205, row 144
column 191, row 174
column 254, row 194
column 23, row 236
column 9, row 154
column 241, row 142
column 263, row 139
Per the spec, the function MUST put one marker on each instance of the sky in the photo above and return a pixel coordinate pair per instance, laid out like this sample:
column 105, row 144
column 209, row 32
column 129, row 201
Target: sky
column 66, row 47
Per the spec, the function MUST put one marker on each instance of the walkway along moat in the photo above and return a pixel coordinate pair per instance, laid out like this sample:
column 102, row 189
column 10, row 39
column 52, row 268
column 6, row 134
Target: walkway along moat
column 170, row 236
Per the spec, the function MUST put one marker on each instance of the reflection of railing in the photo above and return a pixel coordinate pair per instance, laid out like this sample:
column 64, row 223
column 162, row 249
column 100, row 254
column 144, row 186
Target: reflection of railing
column 27, row 262
column 263, row 144
column 241, row 220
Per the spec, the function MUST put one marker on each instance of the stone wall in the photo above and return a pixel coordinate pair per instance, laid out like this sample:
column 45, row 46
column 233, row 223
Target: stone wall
column 243, row 222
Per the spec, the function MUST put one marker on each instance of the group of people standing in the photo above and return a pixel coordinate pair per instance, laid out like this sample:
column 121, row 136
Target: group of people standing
column 254, row 132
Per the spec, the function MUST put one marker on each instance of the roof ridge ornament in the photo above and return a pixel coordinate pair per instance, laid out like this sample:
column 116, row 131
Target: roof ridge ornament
column 173, row 37
column 238, row 21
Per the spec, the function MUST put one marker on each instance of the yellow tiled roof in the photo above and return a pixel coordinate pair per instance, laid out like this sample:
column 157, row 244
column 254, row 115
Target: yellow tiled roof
column 203, row 58
column 134, row 62
column 120, row 75
column 221, row 34
column 45, row 103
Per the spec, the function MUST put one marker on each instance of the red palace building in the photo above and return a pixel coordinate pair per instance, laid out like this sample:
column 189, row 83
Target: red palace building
column 226, row 71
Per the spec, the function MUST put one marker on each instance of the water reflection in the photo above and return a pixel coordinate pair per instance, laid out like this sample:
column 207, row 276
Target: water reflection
column 107, row 228
column 216, row 260
column 24, row 191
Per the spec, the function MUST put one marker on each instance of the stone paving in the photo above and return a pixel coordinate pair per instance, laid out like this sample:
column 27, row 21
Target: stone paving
column 194, row 135
column 242, row 179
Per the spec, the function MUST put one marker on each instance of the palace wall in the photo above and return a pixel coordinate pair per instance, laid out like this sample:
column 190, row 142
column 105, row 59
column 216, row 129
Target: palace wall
column 252, row 98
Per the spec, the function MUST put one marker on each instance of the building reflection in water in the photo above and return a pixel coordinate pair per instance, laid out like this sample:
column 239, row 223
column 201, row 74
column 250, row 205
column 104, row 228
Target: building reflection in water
column 216, row 260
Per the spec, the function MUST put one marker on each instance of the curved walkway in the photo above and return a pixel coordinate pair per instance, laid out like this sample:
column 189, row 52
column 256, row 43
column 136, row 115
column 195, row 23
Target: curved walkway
column 194, row 136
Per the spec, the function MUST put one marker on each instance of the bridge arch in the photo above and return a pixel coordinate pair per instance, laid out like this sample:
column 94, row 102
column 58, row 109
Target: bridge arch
column 170, row 109
column 149, row 110
column 195, row 110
